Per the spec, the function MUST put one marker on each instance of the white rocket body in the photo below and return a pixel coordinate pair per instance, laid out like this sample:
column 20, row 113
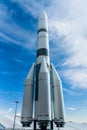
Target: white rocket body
column 41, row 87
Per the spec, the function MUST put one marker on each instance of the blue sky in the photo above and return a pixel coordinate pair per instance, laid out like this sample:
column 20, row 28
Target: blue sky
column 68, row 50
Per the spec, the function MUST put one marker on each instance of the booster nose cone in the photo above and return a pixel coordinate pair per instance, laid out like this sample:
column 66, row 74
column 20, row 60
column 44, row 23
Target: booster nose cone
column 43, row 66
column 43, row 22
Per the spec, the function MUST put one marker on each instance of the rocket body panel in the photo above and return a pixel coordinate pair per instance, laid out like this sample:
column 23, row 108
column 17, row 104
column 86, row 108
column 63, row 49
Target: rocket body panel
column 43, row 40
column 42, row 25
column 27, row 107
column 43, row 22
column 58, row 104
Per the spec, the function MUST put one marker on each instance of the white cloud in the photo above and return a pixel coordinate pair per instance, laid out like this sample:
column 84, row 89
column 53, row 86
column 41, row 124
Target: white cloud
column 7, row 120
column 10, row 110
column 11, row 32
column 6, row 111
column 72, row 93
column 76, row 77
column 32, row 7
column 72, row 25
column 71, row 108
column 18, row 114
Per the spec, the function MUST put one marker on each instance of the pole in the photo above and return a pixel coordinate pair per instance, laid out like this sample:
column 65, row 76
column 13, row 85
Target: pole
column 34, row 124
column 15, row 115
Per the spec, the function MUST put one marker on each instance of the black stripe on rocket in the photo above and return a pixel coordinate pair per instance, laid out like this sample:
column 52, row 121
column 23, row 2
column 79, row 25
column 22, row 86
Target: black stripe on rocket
column 42, row 51
column 37, row 80
column 42, row 29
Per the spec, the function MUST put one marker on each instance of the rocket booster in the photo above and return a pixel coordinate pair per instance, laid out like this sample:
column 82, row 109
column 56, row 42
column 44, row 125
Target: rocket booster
column 43, row 83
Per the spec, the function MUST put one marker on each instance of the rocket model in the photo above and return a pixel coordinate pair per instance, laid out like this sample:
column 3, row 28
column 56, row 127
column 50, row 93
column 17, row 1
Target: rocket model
column 43, row 97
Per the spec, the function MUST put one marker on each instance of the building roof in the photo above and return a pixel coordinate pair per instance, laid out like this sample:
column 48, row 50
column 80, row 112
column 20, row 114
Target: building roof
column 7, row 121
column 2, row 127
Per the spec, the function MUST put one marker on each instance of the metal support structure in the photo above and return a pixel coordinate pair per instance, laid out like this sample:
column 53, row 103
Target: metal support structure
column 34, row 124
column 59, row 127
column 16, row 102
column 51, row 124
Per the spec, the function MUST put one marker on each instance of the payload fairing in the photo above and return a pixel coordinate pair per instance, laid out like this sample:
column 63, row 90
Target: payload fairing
column 43, row 97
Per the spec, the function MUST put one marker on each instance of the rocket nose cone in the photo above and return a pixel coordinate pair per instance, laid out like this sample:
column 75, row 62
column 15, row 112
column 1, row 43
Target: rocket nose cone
column 42, row 15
